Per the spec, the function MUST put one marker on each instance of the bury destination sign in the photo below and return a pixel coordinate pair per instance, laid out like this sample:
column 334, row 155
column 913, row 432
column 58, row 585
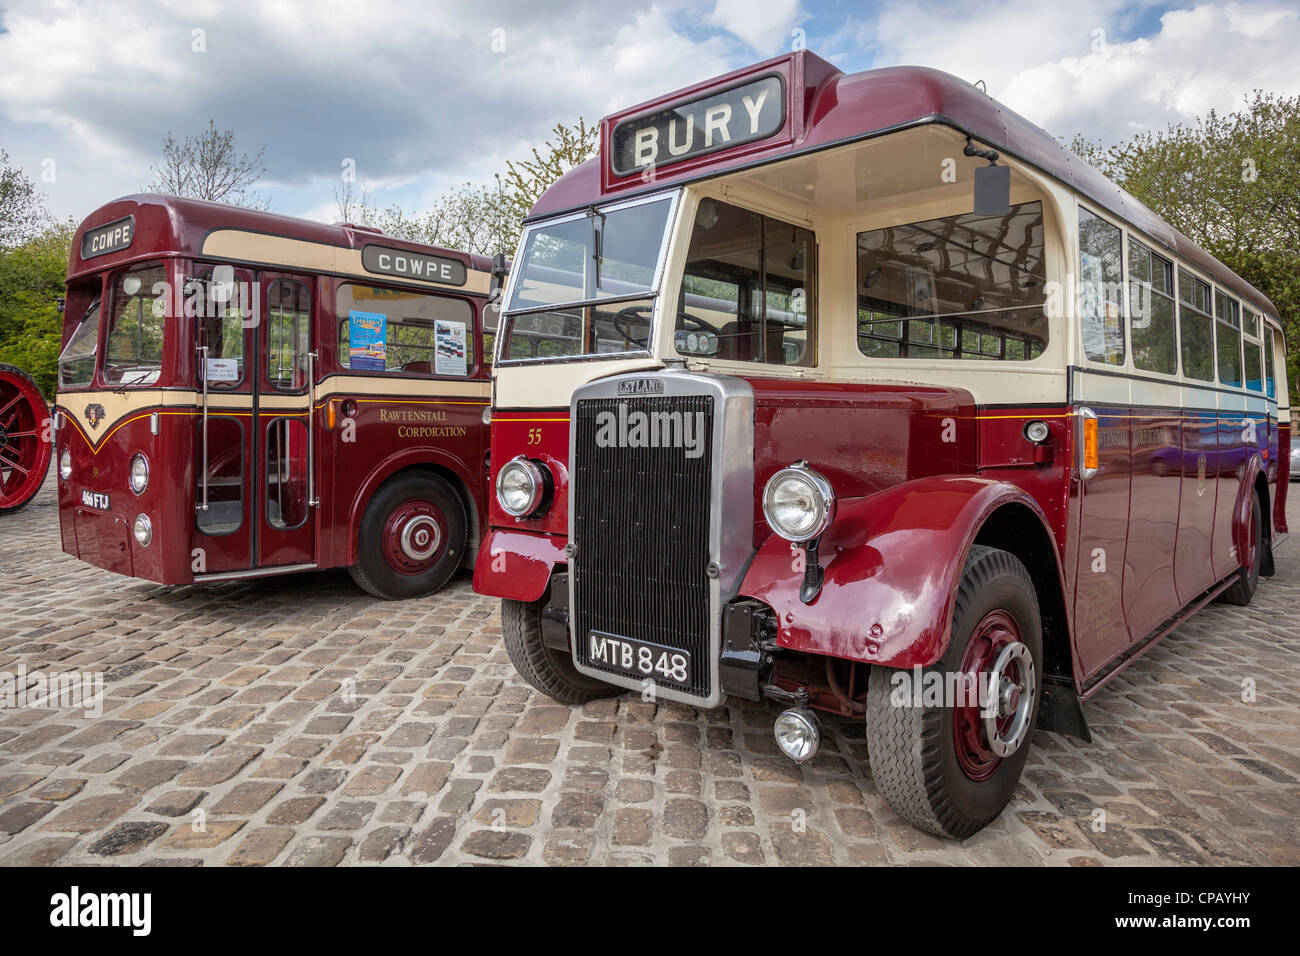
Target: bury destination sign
column 741, row 114
column 112, row 237
column 412, row 265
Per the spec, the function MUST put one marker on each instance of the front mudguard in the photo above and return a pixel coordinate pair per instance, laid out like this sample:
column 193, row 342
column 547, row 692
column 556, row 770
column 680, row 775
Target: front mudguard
column 893, row 562
column 517, row 565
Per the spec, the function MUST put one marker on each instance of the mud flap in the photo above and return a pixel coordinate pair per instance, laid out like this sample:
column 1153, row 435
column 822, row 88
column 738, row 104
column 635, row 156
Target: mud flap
column 1061, row 710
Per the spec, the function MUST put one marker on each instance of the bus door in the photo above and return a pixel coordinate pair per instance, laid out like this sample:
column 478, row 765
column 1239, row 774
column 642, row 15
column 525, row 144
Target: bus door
column 286, row 485
column 223, row 301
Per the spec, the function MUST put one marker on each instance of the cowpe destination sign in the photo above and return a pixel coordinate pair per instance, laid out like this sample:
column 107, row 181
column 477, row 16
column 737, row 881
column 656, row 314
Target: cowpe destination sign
column 412, row 265
column 739, row 114
column 111, row 237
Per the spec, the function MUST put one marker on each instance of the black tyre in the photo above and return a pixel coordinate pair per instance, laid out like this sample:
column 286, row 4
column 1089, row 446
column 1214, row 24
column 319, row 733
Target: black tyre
column 936, row 763
column 549, row 670
column 1242, row 591
column 412, row 539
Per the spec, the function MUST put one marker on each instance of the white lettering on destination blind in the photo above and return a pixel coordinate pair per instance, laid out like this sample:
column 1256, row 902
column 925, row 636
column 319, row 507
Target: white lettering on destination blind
column 752, row 111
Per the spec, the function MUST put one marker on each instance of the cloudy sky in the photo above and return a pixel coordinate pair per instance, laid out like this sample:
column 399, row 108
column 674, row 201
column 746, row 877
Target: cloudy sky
column 424, row 95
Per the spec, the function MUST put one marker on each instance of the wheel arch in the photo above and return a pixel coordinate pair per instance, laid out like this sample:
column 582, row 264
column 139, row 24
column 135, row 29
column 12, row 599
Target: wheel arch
column 447, row 468
column 1016, row 528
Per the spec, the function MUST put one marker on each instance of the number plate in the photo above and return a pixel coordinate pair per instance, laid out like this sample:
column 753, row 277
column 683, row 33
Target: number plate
column 641, row 659
column 94, row 499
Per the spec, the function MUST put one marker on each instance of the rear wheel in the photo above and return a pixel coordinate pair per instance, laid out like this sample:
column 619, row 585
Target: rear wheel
column 1242, row 590
column 548, row 669
column 24, row 449
column 412, row 538
column 950, row 766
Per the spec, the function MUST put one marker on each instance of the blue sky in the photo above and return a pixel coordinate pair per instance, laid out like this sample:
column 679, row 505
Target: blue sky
column 425, row 95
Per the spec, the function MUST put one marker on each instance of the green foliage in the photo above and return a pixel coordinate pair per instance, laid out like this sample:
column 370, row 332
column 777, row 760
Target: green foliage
column 1231, row 183
column 22, row 209
column 31, row 278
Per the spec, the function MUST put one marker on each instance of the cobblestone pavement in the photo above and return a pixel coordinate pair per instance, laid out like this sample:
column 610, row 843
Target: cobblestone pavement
column 312, row 725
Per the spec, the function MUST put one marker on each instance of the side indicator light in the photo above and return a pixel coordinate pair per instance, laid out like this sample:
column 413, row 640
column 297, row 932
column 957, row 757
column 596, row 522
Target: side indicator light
column 1091, row 460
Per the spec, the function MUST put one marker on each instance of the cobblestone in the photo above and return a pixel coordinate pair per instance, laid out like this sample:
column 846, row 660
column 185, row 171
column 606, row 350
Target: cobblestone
column 295, row 721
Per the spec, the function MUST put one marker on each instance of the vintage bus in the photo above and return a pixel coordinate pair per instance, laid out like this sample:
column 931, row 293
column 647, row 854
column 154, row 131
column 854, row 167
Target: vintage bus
column 859, row 394
column 24, row 438
column 245, row 394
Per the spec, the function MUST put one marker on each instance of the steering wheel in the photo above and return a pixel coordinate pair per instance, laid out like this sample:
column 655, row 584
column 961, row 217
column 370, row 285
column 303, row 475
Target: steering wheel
column 644, row 313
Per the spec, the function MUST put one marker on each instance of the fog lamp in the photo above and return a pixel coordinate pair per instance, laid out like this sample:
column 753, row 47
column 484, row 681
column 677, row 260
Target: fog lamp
column 1036, row 431
column 65, row 465
column 798, row 733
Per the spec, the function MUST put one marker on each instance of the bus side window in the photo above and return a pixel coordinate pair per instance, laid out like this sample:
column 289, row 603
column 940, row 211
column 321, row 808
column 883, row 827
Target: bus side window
column 1197, row 327
column 1269, row 384
column 1101, row 301
column 1227, row 335
column 404, row 332
column 1151, row 303
column 1254, row 361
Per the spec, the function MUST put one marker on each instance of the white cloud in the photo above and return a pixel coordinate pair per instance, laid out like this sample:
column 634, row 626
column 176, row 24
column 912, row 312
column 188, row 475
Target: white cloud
column 765, row 25
column 1056, row 69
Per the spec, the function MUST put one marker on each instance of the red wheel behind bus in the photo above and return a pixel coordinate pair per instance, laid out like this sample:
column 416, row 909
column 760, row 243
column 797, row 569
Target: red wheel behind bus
column 24, row 444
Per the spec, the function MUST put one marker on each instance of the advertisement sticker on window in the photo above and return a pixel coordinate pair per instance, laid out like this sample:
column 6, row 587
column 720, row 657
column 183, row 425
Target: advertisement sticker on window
column 449, row 340
column 367, row 340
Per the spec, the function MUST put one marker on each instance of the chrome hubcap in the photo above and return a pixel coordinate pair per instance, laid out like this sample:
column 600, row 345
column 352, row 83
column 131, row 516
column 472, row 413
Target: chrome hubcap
column 1011, row 697
column 420, row 537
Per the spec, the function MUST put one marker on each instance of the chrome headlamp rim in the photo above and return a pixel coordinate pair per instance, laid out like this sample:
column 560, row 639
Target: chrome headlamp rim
column 142, row 529
column 824, row 495
column 537, row 481
column 143, row 459
column 65, row 464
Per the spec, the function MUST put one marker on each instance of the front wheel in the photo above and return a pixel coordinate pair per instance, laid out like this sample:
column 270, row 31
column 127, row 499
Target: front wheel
column 412, row 537
column 549, row 670
column 947, row 756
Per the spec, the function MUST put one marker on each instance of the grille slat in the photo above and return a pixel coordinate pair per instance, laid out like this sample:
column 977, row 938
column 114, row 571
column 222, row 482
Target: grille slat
column 641, row 521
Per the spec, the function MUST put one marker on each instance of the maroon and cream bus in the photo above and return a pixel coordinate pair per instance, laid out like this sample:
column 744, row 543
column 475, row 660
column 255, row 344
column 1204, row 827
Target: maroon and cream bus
column 859, row 394
column 244, row 394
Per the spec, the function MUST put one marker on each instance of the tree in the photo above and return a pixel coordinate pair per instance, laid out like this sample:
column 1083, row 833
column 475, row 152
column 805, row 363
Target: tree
column 210, row 166
column 354, row 206
column 469, row 218
column 31, row 279
column 527, row 179
column 1231, row 183
column 22, row 208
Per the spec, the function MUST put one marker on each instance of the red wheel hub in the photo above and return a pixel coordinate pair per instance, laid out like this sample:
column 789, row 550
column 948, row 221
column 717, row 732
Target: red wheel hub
column 24, row 451
column 415, row 536
column 995, row 633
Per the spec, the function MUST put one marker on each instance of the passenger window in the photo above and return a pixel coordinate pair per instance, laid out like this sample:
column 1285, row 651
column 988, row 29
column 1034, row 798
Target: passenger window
column 747, row 290
column 288, row 329
column 1252, row 353
column 1101, row 283
column 1227, row 335
column 391, row 330
column 1196, row 326
column 1151, row 306
column 962, row 287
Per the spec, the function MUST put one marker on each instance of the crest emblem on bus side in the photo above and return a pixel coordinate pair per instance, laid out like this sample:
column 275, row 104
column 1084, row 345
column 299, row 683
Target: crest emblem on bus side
column 94, row 415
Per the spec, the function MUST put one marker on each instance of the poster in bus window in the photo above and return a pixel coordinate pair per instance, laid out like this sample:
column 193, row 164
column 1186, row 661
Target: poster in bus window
column 367, row 340
column 449, row 343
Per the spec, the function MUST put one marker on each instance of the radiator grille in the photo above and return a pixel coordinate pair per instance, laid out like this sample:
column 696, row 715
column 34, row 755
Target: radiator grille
column 641, row 526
